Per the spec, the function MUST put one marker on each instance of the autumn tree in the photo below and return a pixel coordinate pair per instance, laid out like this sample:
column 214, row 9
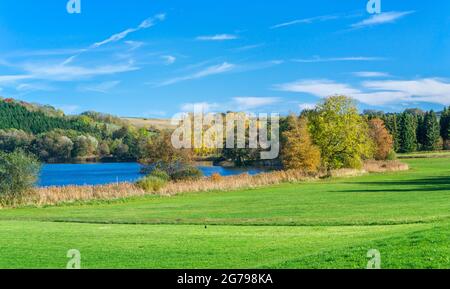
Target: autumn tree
column 298, row 150
column 341, row 134
column 382, row 139
column 159, row 153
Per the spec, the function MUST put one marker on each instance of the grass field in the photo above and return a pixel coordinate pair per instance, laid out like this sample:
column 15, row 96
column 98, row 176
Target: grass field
column 323, row 224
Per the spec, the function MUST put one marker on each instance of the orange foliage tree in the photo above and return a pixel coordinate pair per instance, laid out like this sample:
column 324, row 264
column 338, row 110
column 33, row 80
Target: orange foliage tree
column 298, row 150
column 382, row 139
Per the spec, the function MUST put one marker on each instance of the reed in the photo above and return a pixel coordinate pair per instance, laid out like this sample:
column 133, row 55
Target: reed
column 70, row 194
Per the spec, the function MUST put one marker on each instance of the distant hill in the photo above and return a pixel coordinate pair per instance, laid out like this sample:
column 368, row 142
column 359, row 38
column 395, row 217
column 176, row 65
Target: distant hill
column 37, row 119
column 159, row 124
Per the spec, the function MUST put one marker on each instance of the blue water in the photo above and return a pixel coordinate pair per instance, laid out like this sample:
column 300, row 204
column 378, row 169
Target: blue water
column 107, row 173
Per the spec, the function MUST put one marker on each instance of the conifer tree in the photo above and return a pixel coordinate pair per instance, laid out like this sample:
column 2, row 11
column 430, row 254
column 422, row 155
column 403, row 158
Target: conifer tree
column 407, row 133
column 432, row 132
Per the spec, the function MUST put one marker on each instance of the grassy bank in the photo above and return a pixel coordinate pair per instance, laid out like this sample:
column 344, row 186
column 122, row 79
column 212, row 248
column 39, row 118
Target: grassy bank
column 328, row 223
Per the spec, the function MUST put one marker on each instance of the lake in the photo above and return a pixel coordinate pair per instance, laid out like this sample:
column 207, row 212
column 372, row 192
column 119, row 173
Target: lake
column 107, row 173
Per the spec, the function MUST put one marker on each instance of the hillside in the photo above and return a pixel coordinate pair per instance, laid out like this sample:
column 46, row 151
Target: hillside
column 160, row 124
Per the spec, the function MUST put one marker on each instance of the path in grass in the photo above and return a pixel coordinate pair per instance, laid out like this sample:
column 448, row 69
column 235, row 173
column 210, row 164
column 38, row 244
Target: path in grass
column 321, row 224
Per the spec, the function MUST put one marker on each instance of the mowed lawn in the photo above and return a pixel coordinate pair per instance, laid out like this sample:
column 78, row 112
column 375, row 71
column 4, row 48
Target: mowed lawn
column 321, row 224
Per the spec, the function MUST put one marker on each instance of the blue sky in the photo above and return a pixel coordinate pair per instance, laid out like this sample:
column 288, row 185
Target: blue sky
column 154, row 58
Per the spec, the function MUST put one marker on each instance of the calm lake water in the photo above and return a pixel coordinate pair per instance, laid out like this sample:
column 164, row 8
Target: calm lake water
column 107, row 173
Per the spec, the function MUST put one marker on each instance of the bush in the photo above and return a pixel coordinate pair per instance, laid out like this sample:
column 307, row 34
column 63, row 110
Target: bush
column 392, row 156
column 160, row 174
column 18, row 172
column 151, row 184
column 188, row 173
column 216, row 177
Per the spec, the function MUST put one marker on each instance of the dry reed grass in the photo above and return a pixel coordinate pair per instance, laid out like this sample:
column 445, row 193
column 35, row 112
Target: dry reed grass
column 69, row 194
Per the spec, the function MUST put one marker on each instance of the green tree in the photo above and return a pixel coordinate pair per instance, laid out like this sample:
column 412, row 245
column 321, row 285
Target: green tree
column 18, row 172
column 407, row 133
column 445, row 125
column 432, row 132
column 341, row 134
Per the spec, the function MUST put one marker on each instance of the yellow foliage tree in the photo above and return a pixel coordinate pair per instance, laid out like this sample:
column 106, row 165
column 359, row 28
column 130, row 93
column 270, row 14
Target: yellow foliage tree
column 298, row 151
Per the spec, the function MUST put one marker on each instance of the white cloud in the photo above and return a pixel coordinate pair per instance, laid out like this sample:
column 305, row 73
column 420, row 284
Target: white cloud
column 305, row 21
column 217, row 37
column 28, row 87
column 103, row 87
column 431, row 90
column 427, row 90
column 67, row 73
column 119, row 36
column 320, row 87
column 211, row 70
column 371, row 74
column 248, row 47
column 338, row 59
column 254, row 102
column 169, row 59
column 199, row 107
column 134, row 44
column 13, row 78
column 383, row 18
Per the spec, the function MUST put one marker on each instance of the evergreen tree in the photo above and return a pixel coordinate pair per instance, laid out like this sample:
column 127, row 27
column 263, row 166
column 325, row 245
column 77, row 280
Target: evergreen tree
column 407, row 133
column 421, row 131
column 445, row 125
column 432, row 132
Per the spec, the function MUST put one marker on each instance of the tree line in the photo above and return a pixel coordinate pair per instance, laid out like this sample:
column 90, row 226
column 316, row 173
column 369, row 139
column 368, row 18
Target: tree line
column 417, row 130
column 54, row 137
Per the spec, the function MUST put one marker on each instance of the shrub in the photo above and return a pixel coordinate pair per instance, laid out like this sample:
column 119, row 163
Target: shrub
column 188, row 173
column 18, row 172
column 216, row 177
column 151, row 184
column 392, row 156
column 160, row 174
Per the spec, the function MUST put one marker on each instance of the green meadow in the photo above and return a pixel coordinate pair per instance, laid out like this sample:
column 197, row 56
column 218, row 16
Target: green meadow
column 330, row 223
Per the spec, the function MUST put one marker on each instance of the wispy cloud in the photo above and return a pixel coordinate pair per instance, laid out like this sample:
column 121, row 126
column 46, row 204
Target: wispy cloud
column 317, row 87
column 150, row 22
column 338, row 59
column 383, row 18
column 371, row 74
column 245, row 103
column 102, row 87
column 134, row 44
column 217, row 37
column 13, row 78
column 305, row 21
column 169, row 59
column 248, row 47
column 208, row 71
column 60, row 72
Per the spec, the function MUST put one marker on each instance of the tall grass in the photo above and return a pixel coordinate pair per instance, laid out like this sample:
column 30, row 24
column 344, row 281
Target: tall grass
column 67, row 194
